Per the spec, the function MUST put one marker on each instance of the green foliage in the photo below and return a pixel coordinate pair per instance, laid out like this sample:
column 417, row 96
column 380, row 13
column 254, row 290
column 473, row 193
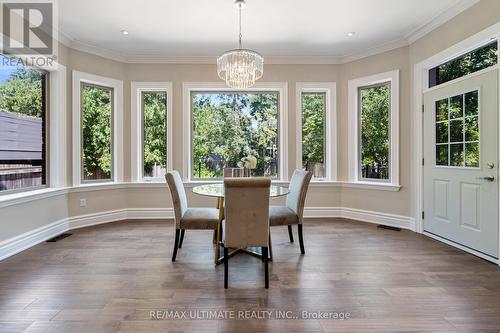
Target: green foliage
column 474, row 61
column 155, row 143
column 313, row 123
column 375, row 116
column 232, row 126
column 22, row 92
column 96, row 130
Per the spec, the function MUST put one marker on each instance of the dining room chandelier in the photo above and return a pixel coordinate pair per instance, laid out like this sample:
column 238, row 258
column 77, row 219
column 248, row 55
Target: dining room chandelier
column 240, row 67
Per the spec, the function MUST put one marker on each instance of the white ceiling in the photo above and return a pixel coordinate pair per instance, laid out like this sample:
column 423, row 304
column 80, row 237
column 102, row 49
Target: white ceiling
column 205, row 28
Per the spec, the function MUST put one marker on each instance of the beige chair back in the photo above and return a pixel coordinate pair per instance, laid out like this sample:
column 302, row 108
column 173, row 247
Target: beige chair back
column 246, row 212
column 178, row 195
column 296, row 199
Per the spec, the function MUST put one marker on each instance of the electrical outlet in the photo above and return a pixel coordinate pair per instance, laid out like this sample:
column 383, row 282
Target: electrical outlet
column 83, row 202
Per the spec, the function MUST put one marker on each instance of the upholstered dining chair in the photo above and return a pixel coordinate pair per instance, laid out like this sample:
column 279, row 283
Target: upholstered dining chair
column 293, row 211
column 246, row 218
column 188, row 218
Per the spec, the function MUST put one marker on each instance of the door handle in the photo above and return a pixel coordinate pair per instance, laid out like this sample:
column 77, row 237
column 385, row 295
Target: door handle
column 488, row 178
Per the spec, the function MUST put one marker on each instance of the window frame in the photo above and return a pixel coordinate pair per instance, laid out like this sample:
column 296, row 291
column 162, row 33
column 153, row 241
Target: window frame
column 137, row 127
column 112, row 121
column 354, row 87
column 330, row 91
column 80, row 78
column 190, row 87
column 433, row 73
column 46, row 120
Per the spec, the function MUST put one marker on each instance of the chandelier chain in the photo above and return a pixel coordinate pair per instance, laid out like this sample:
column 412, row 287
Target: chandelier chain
column 240, row 35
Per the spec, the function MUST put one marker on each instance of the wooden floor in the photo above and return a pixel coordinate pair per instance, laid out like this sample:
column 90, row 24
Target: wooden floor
column 109, row 278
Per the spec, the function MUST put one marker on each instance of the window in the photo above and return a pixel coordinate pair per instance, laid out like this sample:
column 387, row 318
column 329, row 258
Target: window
column 234, row 131
column 374, row 128
column 97, row 127
column 154, row 113
column 374, row 119
column 151, row 130
column 313, row 133
column 316, row 143
column 466, row 64
column 23, row 130
column 457, row 131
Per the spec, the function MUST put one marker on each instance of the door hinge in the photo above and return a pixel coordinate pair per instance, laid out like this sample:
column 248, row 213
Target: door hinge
column 423, row 107
column 423, row 161
column 423, row 215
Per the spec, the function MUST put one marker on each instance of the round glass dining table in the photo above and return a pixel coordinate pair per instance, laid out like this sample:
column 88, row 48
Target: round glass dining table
column 216, row 190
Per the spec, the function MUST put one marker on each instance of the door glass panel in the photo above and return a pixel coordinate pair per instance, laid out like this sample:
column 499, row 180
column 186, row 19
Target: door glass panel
column 471, row 129
column 442, row 110
column 456, row 107
column 457, row 131
column 471, row 104
column 442, row 155
column 442, row 132
column 472, row 154
column 457, row 154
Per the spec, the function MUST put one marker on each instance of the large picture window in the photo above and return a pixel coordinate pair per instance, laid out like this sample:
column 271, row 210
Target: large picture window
column 234, row 133
column 97, row 127
column 23, row 132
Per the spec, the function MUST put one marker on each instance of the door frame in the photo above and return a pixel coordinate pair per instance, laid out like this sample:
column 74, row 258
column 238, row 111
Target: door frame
column 419, row 87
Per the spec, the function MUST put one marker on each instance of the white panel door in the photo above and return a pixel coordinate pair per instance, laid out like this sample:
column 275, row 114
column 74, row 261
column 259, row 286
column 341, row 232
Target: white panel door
column 461, row 162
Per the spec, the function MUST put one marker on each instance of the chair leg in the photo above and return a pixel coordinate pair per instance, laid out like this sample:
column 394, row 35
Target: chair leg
column 226, row 267
column 182, row 238
column 176, row 243
column 301, row 239
column 270, row 246
column 266, row 267
column 290, row 233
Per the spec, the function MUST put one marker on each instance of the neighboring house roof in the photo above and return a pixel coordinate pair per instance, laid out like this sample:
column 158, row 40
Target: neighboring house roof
column 20, row 137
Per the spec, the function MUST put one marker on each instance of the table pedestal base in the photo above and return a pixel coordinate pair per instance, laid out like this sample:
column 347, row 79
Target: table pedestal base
column 253, row 251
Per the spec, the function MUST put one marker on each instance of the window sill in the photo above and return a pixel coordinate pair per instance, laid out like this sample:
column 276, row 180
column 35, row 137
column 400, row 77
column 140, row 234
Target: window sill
column 97, row 187
column 372, row 186
column 27, row 196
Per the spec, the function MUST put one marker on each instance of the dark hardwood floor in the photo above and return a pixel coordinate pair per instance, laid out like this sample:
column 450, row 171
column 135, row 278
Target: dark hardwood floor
column 109, row 278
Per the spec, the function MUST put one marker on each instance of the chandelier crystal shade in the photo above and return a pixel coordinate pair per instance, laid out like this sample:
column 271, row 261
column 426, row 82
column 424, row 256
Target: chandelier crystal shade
column 240, row 68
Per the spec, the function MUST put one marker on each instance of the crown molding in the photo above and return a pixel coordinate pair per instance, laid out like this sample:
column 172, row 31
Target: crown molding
column 439, row 20
column 389, row 46
column 406, row 40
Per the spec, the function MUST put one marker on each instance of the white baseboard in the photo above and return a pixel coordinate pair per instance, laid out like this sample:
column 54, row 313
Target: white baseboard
column 82, row 221
column 391, row 220
column 24, row 241
column 150, row 213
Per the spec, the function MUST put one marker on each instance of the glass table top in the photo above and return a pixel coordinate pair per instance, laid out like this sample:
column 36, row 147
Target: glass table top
column 217, row 190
